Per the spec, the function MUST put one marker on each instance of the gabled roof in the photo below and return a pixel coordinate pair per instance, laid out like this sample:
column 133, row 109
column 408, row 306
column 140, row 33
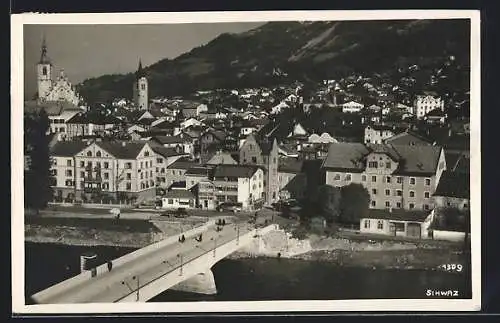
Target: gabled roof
column 412, row 160
column 199, row 171
column 179, row 194
column 67, row 148
column 407, row 138
column 166, row 151
column 122, row 149
column 52, row 108
column 239, row 171
column 397, row 215
column 453, row 184
column 223, row 158
column 93, row 118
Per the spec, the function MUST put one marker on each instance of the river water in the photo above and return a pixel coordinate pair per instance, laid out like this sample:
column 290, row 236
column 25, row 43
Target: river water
column 258, row 278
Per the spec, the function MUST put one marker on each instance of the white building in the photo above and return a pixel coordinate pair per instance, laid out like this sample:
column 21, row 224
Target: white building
column 424, row 104
column 352, row 107
column 377, row 134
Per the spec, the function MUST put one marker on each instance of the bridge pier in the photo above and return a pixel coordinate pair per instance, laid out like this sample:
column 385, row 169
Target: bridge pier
column 202, row 283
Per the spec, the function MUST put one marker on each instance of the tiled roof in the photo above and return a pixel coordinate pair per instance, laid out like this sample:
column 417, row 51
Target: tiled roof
column 453, row 184
column 239, row 171
column 416, row 160
column 407, row 138
column 222, row 158
column 67, row 148
column 85, row 118
column 166, row 151
column 397, row 215
column 199, row 171
column 122, row 149
column 182, row 163
column 179, row 194
column 52, row 108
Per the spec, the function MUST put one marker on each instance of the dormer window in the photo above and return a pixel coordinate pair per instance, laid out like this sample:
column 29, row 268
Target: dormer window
column 98, row 154
column 373, row 164
column 89, row 153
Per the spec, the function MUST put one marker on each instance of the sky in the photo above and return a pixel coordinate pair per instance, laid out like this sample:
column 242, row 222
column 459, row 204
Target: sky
column 86, row 51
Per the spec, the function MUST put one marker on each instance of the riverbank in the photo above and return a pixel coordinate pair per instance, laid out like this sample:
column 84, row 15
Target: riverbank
column 358, row 252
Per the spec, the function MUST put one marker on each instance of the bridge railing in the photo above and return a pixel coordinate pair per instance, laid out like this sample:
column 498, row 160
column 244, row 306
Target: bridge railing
column 86, row 276
column 194, row 262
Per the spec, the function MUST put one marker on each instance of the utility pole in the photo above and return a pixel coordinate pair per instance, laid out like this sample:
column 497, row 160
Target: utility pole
column 137, row 298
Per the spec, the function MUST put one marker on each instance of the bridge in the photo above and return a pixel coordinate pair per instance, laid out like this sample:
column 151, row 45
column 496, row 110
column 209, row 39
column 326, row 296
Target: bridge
column 147, row 272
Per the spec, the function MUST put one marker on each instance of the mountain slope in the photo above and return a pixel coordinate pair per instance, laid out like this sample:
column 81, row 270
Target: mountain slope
column 314, row 50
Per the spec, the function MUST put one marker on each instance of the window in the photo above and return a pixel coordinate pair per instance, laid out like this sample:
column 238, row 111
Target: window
column 68, row 162
column 426, row 207
column 142, row 175
column 82, row 164
column 143, row 86
column 337, row 177
column 106, row 165
column 150, row 173
column 412, row 180
column 105, row 186
column 146, row 153
column 380, row 225
column 387, row 192
column 426, row 195
column 412, row 206
column 170, row 201
column 374, row 191
column 399, row 192
column 159, row 160
column 69, row 182
column 128, row 165
column 374, row 179
column 367, row 224
column 398, row 205
column 53, row 172
column 82, row 174
column 387, row 164
column 363, row 178
column 387, row 204
column 373, row 203
column 388, row 179
column 69, row 172
column 254, row 159
column 106, row 175
column 427, row 182
column 98, row 164
column 44, row 70
column 128, row 186
column 89, row 164
column 98, row 153
column 399, row 180
column 89, row 153
column 142, row 165
column 412, row 193
column 82, row 185
column 348, row 177
column 399, row 226
column 150, row 163
column 129, row 176
column 373, row 164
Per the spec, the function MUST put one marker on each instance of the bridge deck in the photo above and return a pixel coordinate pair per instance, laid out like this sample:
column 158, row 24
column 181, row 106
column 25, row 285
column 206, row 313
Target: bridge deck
column 129, row 277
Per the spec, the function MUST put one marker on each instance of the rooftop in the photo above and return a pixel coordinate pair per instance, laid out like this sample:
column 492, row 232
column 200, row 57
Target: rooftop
column 453, row 184
column 239, row 171
column 397, row 215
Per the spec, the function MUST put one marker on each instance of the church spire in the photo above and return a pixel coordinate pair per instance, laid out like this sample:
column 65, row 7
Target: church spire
column 44, row 59
column 140, row 71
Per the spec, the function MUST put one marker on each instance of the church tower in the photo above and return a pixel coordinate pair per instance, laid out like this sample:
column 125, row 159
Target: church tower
column 44, row 73
column 141, row 89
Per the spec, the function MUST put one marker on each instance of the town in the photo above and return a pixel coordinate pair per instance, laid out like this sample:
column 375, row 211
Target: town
column 246, row 149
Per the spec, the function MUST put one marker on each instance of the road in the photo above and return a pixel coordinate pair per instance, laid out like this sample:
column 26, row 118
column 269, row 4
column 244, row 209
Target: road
column 123, row 280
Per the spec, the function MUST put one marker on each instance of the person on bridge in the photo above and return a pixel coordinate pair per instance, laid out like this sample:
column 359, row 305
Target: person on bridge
column 110, row 265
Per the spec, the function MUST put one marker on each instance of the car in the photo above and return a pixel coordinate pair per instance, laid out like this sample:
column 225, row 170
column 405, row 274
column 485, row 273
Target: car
column 228, row 206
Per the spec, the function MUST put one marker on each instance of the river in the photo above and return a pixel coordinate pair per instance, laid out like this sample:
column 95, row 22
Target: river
column 258, row 278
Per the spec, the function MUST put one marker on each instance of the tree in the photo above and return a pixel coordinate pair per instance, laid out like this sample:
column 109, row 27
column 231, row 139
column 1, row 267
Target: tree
column 329, row 202
column 37, row 187
column 354, row 203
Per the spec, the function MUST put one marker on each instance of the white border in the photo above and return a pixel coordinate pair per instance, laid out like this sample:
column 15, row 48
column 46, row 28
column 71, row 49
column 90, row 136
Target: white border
column 17, row 229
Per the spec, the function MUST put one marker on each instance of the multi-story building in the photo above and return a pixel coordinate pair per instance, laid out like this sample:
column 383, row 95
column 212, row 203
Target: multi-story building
column 164, row 158
column 424, row 104
column 239, row 184
column 453, row 191
column 176, row 172
column 400, row 176
column 263, row 153
column 102, row 171
column 82, row 124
